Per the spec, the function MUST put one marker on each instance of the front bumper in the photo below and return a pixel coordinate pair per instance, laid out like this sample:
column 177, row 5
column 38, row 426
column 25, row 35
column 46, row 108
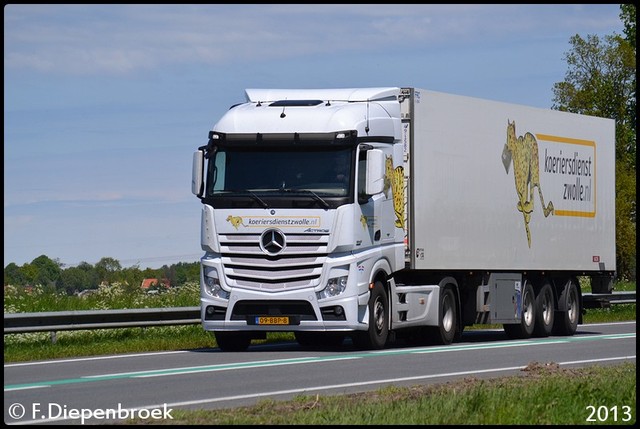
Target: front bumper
column 298, row 310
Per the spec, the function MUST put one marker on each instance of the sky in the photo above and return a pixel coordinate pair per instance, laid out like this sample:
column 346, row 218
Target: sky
column 104, row 105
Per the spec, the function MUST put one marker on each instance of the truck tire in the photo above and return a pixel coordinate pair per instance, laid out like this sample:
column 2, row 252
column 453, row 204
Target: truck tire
column 445, row 332
column 545, row 311
column 566, row 323
column 375, row 337
column 233, row 341
column 525, row 328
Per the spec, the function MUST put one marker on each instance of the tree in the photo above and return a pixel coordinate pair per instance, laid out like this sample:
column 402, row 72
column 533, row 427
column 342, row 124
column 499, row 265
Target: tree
column 74, row 279
column 29, row 273
column 186, row 272
column 93, row 279
column 49, row 271
column 601, row 82
column 131, row 276
column 13, row 275
column 107, row 269
column 628, row 17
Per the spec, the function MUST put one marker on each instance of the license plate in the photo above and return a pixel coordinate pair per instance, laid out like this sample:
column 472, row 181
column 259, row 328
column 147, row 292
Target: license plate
column 272, row 320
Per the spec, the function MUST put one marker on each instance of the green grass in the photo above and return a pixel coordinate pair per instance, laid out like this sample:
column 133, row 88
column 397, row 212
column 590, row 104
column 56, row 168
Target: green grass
column 542, row 395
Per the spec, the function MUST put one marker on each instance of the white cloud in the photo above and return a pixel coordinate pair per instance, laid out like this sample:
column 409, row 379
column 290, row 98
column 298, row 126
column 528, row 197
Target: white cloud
column 118, row 39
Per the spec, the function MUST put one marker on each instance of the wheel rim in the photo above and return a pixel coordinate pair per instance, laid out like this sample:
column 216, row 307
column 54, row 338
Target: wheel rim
column 529, row 315
column 572, row 306
column 546, row 307
column 378, row 315
column 447, row 308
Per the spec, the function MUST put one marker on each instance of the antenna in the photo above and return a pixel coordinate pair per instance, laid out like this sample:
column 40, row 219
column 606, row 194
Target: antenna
column 366, row 128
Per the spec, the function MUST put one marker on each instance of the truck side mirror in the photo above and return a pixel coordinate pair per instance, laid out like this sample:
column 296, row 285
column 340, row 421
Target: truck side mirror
column 374, row 181
column 197, row 173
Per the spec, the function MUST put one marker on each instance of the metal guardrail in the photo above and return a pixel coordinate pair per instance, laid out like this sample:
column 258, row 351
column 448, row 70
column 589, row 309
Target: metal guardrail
column 604, row 300
column 15, row 323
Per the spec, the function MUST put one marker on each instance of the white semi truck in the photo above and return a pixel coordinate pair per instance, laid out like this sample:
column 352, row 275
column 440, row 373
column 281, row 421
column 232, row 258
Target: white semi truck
column 400, row 213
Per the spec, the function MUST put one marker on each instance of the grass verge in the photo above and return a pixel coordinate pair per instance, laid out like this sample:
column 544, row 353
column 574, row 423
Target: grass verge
column 543, row 394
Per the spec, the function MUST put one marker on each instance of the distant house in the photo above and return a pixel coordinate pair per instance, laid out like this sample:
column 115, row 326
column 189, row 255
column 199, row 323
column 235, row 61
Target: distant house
column 86, row 292
column 147, row 283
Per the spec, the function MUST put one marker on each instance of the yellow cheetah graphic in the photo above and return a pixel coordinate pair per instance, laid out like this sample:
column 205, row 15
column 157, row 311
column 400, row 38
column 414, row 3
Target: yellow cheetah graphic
column 236, row 221
column 363, row 221
column 394, row 179
column 524, row 150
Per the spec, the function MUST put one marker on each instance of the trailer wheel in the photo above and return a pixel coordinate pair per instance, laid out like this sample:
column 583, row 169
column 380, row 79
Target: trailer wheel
column 233, row 341
column 545, row 311
column 567, row 322
column 524, row 329
column 444, row 333
column 376, row 336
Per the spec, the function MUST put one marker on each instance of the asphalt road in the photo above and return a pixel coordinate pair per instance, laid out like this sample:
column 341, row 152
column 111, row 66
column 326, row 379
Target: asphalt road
column 151, row 385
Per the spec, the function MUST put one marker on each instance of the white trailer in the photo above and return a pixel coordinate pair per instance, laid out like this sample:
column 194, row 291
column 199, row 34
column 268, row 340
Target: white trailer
column 400, row 213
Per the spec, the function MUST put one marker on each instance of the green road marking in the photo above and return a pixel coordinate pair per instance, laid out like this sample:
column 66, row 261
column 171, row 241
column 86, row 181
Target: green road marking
column 314, row 359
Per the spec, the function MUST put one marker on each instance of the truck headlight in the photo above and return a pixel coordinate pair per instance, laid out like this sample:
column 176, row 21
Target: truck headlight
column 335, row 286
column 212, row 285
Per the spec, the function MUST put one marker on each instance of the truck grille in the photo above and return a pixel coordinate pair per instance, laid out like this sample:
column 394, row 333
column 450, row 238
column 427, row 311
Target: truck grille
column 300, row 309
column 299, row 265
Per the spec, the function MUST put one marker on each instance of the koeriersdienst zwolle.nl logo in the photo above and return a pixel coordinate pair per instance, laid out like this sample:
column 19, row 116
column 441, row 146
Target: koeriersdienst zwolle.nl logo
column 53, row 411
column 558, row 169
column 252, row 221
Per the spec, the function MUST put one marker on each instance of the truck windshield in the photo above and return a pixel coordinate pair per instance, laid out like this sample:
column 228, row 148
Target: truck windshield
column 308, row 173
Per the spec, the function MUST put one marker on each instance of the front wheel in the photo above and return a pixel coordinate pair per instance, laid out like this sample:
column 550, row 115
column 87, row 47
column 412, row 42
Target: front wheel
column 444, row 333
column 376, row 336
column 525, row 328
